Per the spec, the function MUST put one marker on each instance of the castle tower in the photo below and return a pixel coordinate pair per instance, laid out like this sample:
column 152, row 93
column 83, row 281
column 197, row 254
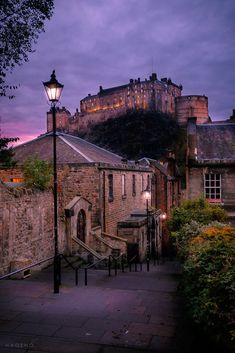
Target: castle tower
column 191, row 106
column 62, row 119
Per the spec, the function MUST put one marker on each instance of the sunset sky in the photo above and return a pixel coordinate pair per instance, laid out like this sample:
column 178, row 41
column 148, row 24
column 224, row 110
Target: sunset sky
column 106, row 42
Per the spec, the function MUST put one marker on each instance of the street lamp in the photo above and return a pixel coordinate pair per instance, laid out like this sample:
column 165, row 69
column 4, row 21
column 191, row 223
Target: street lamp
column 147, row 196
column 53, row 91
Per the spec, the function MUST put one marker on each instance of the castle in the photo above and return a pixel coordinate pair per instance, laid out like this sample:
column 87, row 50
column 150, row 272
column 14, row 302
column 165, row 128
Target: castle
column 151, row 94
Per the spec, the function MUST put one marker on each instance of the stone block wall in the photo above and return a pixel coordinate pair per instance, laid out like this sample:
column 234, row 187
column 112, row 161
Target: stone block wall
column 80, row 180
column 26, row 226
column 120, row 206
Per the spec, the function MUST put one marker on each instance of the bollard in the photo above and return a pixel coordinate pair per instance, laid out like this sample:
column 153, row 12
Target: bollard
column 59, row 268
column 147, row 265
column 109, row 265
column 115, row 266
column 122, row 263
column 76, row 276
column 85, row 276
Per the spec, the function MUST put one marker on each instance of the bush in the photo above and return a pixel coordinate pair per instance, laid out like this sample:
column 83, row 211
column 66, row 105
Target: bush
column 209, row 282
column 189, row 231
column 37, row 173
column 198, row 210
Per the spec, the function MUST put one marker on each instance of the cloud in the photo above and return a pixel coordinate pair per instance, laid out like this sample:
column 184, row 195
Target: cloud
column 107, row 42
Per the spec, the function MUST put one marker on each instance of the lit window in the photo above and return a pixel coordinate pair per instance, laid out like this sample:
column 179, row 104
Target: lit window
column 110, row 185
column 212, row 187
column 123, row 185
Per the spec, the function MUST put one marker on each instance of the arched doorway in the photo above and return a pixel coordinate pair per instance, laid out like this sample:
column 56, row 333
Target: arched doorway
column 81, row 225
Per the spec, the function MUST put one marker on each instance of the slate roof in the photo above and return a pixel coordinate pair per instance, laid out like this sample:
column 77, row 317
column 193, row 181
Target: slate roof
column 216, row 142
column 70, row 149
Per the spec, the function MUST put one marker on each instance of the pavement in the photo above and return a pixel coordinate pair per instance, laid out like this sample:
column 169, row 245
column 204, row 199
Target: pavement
column 133, row 312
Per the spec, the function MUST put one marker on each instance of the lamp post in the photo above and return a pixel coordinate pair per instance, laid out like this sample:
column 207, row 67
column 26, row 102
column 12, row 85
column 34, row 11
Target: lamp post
column 53, row 91
column 147, row 195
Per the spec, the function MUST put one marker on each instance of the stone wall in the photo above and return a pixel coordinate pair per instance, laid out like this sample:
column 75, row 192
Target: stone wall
column 26, row 226
column 116, row 209
column 195, row 183
column 80, row 180
column 192, row 106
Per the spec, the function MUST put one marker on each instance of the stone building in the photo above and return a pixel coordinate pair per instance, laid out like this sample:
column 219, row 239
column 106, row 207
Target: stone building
column 210, row 169
column 97, row 191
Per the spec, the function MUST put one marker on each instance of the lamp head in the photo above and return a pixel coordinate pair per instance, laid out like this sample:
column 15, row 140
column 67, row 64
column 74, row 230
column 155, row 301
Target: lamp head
column 147, row 194
column 163, row 216
column 53, row 88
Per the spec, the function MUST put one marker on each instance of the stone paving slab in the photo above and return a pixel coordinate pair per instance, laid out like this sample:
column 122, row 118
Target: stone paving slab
column 133, row 312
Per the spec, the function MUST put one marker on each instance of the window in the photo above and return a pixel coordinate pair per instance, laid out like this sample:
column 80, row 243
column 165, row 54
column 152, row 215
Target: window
column 148, row 182
column 142, row 183
column 212, row 187
column 133, row 185
column 123, row 185
column 110, row 185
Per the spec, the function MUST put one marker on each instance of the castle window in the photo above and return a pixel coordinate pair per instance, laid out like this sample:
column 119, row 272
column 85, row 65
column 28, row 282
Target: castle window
column 123, row 186
column 133, row 185
column 110, row 185
column 212, row 187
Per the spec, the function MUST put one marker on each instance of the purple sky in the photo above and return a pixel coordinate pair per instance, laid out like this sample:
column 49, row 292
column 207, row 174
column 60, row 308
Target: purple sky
column 106, row 42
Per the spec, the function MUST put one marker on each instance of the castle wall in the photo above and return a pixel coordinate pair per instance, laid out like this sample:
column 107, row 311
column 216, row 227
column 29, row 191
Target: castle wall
column 191, row 106
column 150, row 94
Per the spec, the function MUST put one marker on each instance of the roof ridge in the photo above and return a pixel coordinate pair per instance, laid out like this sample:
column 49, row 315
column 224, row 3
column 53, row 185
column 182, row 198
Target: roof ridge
column 75, row 149
column 92, row 144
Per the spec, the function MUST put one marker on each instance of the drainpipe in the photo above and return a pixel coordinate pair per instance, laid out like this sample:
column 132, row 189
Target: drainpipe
column 103, row 202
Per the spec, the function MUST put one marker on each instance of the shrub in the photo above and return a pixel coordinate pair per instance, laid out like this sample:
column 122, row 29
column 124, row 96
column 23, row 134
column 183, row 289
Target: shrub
column 37, row 173
column 198, row 210
column 209, row 281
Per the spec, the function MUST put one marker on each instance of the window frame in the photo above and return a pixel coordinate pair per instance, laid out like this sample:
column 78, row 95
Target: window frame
column 110, row 187
column 212, row 187
column 123, row 185
column 133, row 185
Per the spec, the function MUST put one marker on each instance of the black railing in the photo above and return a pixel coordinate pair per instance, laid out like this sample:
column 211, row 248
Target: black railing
column 112, row 263
column 60, row 256
column 134, row 260
column 75, row 268
column 26, row 268
column 94, row 265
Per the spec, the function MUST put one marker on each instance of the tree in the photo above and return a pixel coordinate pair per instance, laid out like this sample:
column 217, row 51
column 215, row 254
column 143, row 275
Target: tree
column 6, row 152
column 137, row 134
column 21, row 23
column 37, row 173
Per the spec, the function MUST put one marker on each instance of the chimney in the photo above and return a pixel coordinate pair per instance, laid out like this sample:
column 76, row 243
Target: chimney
column 153, row 77
column 101, row 88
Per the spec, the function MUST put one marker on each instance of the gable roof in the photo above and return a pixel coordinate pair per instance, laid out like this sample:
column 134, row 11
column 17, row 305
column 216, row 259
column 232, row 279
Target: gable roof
column 216, row 142
column 70, row 149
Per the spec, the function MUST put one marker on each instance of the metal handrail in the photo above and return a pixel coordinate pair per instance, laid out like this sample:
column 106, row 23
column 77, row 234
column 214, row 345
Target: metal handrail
column 92, row 265
column 131, row 261
column 73, row 267
column 26, row 268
